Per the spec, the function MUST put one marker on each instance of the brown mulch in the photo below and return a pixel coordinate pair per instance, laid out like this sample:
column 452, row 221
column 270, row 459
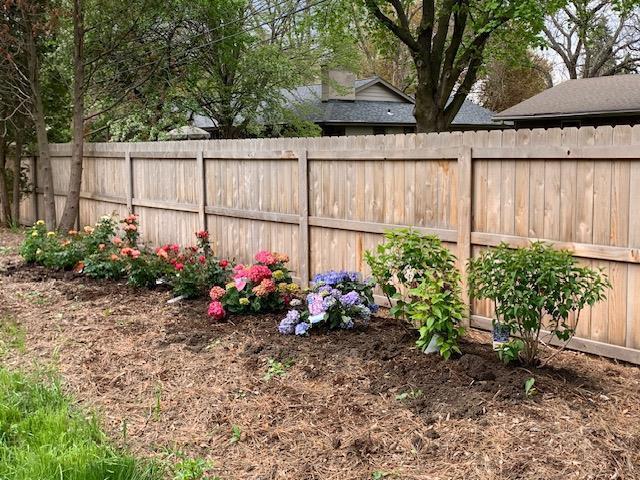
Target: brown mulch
column 179, row 381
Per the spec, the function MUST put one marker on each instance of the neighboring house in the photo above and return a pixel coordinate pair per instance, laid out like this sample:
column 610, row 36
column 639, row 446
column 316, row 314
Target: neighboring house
column 613, row 100
column 342, row 105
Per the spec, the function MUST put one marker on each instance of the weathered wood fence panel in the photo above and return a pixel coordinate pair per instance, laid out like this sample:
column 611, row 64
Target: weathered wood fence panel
column 326, row 201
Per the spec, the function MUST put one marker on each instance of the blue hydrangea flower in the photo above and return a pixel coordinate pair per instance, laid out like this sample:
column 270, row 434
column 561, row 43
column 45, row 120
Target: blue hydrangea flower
column 364, row 312
column 315, row 304
column 350, row 299
column 302, row 328
column 288, row 324
column 334, row 277
column 348, row 325
column 374, row 307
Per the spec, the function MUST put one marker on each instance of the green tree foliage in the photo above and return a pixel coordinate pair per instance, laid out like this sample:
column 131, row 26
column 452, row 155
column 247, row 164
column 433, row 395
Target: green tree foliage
column 447, row 41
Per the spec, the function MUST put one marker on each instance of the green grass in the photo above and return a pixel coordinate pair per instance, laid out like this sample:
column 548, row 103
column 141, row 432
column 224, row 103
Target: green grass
column 12, row 335
column 43, row 436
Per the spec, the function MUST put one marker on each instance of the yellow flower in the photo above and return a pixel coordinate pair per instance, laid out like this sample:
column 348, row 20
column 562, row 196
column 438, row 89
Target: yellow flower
column 293, row 287
column 282, row 287
column 51, row 234
column 230, row 285
column 278, row 275
column 39, row 251
column 34, row 233
column 244, row 301
column 40, row 222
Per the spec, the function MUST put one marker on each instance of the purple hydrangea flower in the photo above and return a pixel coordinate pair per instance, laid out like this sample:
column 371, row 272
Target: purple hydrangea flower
column 350, row 299
column 329, row 302
column 288, row 324
column 315, row 303
column 374, row 307
column 302, row 328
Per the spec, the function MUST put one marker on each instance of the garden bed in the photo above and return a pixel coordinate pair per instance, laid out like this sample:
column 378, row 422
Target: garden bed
column 350, row 405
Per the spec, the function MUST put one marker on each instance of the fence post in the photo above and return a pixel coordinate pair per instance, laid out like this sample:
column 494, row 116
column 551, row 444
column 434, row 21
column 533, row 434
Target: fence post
column 202, row 190
column 128, row 166
column 303, row 211
column 465, row 172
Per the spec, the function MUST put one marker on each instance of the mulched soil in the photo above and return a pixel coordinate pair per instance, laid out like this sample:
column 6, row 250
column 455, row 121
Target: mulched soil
column 351, row 404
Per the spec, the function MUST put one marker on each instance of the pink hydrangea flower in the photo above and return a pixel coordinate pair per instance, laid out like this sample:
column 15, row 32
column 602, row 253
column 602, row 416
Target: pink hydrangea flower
column 257, row 273
column 266, row 287
column 265, row 257
column 216, row 293
column 216, row 310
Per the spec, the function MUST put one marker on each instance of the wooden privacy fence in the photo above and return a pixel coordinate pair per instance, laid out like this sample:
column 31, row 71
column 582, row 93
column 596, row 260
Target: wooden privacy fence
column 325, row 201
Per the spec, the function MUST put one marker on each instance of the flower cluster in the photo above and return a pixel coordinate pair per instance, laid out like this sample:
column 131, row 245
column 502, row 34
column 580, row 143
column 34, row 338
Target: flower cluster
column 263, row 286
column 336, row 300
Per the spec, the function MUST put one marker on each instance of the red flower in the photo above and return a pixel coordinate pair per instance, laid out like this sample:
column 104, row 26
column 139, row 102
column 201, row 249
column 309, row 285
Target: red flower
column 257, row 273
column 223, row 263
column 202, row 234
column 202, row 259
column 179, row 266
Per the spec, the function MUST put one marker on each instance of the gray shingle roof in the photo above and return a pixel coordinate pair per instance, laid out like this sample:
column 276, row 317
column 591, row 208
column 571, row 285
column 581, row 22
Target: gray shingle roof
column 587, row 96
column 306, row 101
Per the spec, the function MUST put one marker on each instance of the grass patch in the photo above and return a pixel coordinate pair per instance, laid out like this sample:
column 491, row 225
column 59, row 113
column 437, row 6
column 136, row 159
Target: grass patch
column 43, row 436
column 12, row 336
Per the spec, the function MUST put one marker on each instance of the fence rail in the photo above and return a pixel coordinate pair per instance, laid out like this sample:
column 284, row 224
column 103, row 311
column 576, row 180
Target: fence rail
column 325, row 201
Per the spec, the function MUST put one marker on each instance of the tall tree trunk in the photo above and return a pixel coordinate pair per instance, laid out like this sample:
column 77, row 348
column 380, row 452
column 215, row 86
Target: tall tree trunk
column 429, row 117
column 5, row 212
column 72, row 203
column 17, row 163
column 37, row 111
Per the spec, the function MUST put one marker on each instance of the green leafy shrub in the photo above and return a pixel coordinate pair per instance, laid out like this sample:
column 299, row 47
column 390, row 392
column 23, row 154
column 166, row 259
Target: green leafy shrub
column 534, row 288
column 419, row 277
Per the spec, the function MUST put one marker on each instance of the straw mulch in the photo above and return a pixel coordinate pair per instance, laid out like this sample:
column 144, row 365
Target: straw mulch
column 351, row 405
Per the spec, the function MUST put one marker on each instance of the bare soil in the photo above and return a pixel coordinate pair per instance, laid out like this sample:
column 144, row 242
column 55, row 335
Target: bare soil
column 350, row 405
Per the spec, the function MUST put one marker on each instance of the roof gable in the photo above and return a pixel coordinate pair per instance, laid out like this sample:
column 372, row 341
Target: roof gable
column 376, row 83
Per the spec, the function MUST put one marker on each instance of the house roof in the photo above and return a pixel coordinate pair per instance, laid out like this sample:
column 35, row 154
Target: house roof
column 615, row 95
column 307, row 102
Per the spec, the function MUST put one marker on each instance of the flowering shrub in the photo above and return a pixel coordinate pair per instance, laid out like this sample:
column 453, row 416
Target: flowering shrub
column 419, row 277
column 533, row 285
column 194, row 269
column 261, row 287
column 335, row 300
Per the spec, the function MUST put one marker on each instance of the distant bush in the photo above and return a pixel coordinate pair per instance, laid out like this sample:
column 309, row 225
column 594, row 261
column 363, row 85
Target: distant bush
column 534, row 288
column 419, row 277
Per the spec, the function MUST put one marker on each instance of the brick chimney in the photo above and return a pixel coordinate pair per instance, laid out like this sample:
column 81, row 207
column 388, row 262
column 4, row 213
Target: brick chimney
column 338, row 85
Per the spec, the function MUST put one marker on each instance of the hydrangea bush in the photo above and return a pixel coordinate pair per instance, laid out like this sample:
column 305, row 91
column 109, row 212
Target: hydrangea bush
column 335, row 300
column 419, row 277
column 264, row 286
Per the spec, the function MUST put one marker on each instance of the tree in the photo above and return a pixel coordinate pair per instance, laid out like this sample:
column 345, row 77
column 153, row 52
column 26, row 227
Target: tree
column 447, row 43
column 507, row 82
column 27, row 27
column 594, row 38
column 112, row 58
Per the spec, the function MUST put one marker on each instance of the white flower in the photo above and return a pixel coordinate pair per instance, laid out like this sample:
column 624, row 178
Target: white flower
column 295, row 302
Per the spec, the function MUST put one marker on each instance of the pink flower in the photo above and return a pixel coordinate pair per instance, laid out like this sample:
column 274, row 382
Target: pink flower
column 133, row 218
column 202, row 234
column 179, row 266
column 116, row 240
column 266, row 287
column 161, row 252
column 130, row 227
column 257, row 273
column 265, row 257
column 101, row 247
column 174, row 248
column 281, row 257
column 217, row 293
column 216, row 310
column 202, row 259
column 240, row 283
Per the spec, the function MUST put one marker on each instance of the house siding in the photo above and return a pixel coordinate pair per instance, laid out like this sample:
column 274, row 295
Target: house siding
column 379, row 93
